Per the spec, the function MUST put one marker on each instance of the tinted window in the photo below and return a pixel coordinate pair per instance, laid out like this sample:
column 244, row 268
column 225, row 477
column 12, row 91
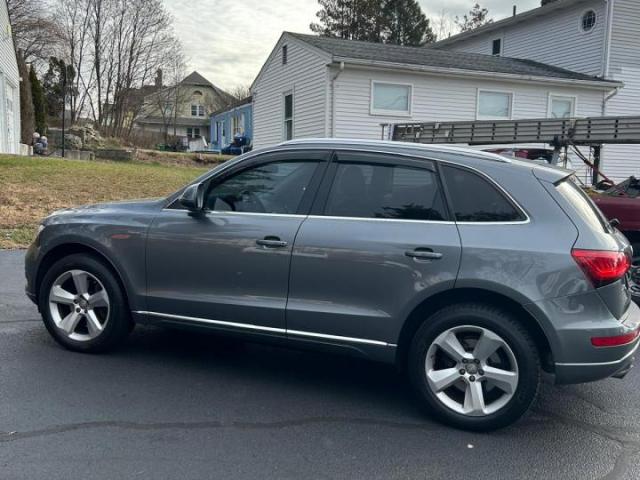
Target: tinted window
column 583, row 205
column 272, row 188
column 474, row 199
column 379, row 191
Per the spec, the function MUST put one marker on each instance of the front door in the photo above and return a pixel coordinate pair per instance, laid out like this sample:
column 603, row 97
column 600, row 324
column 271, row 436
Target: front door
column 378, row 242
column 229, row 265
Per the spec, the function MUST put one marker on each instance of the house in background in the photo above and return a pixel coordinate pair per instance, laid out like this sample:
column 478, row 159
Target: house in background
column 182, row 111
column 324, row 87
column 593, row 37
column 9, row 87
column 235, row 120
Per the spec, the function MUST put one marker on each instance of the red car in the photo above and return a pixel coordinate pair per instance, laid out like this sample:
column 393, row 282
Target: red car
column 622, row 202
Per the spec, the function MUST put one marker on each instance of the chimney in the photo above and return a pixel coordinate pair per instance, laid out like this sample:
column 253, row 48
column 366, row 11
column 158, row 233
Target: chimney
column 515, row 10
column 159, row 78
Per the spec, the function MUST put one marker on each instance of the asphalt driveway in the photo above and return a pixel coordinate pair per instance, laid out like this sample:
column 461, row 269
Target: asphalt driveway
column 183, row 405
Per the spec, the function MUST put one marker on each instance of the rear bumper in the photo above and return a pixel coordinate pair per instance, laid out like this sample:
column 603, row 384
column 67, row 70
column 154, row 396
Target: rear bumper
column 571, row 322
column 589, row 372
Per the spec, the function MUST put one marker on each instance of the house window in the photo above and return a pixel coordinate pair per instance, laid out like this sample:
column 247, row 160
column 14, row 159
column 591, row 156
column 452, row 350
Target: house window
column 496, row 47
column 562, row 106
column 288, row 116
column 390, row 98
column 589, row 19
column 494, row 105
column 237, row 124
column 193, row 132
column 285, row 54
column 197, row 110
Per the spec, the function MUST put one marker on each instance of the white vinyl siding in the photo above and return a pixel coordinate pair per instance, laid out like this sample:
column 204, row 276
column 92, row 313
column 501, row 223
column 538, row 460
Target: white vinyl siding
column 621, row 161
column 304, row 75
column 439, row 98
column 556, row 39
column 9, row 88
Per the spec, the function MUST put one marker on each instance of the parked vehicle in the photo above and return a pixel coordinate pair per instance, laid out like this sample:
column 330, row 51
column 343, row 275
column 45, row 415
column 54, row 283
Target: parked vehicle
column 622, row 203
column 472, row 272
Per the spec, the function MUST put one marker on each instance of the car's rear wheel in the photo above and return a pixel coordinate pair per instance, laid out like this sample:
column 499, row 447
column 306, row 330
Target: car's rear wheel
column 83, row 306
column 474, row 366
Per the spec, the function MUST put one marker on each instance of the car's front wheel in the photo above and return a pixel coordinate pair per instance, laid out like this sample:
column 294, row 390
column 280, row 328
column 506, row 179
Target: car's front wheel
column 83, row 306
column 474, row 366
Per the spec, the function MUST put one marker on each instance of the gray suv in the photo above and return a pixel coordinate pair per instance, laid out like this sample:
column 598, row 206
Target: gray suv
column 471, row 272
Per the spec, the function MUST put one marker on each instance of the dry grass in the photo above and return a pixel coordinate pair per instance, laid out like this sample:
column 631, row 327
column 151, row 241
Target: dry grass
column 31, row 188
column 179, row 158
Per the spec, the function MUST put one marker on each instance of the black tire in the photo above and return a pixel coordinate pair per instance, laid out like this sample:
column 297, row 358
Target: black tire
column 118, row 324
column 499, row 322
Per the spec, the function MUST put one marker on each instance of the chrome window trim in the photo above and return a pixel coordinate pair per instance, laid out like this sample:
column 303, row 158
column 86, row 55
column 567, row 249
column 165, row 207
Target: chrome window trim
column 293, row 147
column 360, row 219
column 370, row 219
column 249, row 326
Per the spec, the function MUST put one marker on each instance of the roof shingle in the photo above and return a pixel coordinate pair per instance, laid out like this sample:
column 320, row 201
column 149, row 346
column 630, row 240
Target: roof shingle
column 433, row 57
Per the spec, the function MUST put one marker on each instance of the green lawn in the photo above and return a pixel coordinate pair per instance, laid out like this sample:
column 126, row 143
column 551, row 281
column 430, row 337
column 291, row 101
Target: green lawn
column 31, row 188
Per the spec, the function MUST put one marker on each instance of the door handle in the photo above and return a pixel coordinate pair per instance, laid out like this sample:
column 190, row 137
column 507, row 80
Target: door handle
column 423, row 254
column 271, row 242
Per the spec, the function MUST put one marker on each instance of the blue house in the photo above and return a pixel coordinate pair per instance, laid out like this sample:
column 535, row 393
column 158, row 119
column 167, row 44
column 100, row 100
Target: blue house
column 233, row 121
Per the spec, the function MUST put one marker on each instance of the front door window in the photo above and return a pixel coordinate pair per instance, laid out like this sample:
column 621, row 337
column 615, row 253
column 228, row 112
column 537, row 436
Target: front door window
column 276, row 187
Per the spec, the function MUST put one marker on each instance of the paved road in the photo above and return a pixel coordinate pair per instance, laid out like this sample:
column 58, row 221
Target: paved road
column 181, row 405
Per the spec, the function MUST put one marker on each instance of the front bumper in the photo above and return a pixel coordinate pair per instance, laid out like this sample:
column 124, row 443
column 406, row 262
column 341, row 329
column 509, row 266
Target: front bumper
column 31, row 262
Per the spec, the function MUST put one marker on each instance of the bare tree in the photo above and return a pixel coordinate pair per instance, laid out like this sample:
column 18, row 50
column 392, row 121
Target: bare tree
column 444, row 25
column 36, row 33
column 166, row 103
column 114, row 46
column 476, row 17
column 240, row 92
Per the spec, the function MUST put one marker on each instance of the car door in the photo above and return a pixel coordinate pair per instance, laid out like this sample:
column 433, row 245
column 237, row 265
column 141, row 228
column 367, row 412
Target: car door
column 379, row 240
column 229, row 265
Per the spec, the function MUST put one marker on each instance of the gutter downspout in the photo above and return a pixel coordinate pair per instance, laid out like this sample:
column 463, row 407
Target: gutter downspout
column 607, row 53
column 333, row 99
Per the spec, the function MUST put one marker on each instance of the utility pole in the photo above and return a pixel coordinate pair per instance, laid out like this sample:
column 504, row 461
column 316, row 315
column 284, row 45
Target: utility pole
column 64, row 101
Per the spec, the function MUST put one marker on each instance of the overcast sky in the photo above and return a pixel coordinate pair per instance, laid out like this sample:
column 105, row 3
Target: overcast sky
column 227, row 41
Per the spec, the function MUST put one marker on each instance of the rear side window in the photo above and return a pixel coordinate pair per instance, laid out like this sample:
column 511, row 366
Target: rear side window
column 474, row 199
column 582, row 204
column 385, row 191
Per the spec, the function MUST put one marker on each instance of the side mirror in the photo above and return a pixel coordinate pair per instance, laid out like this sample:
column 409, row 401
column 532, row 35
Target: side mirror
column 192, row 198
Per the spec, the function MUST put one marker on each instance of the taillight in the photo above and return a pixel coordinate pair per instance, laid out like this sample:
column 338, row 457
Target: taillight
column 616, row 341
column 602, row 267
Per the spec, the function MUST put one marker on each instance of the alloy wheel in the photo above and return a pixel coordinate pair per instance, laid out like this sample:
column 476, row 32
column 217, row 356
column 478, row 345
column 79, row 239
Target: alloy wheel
column 471, row 370
column 79, row 305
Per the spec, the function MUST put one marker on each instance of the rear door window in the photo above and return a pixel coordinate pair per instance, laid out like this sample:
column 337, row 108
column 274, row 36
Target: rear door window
column 475, row 199
column 385, row 191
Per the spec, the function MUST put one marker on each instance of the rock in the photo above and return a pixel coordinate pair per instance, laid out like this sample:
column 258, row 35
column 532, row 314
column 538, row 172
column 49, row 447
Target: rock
column 72, row 142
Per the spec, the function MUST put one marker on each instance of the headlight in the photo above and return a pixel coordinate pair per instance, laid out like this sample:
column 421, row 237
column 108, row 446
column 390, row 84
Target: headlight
column 40, row 229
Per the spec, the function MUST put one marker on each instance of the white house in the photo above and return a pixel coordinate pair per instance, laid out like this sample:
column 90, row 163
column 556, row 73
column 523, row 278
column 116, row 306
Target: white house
column 594, row 37
column 9, row 87
column 313, row 86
